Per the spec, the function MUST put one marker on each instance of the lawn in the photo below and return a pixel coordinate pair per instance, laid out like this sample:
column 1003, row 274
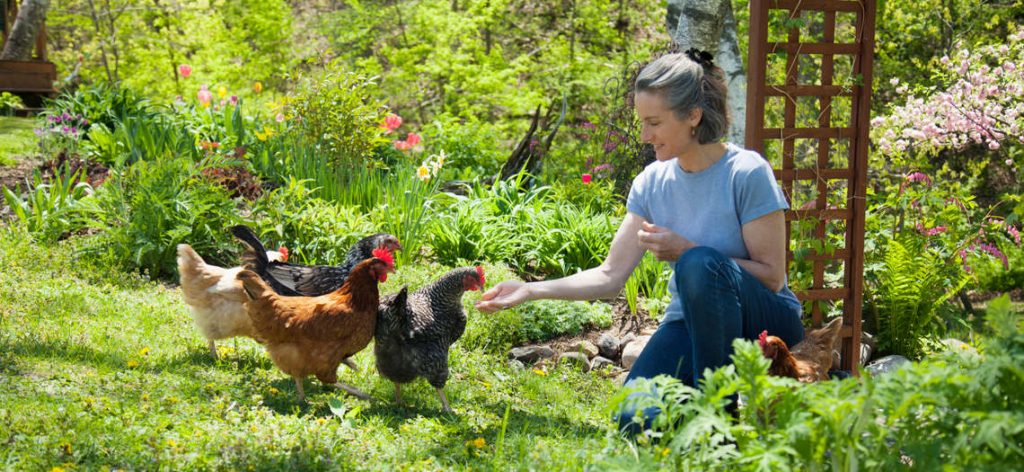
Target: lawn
column 100, row 368
column 17, row 138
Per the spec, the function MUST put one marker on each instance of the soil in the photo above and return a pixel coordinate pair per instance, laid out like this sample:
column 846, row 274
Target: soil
column 623, row 323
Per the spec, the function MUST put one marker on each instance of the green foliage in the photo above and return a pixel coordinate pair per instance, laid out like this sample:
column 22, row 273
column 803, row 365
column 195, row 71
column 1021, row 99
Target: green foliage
column 49, row 210
column 474, row 148
column 144, row 211
column 9, row 103
column 958, row 410
column 335, row 108
column 546, row 319
column 229, row 44
column 910, row 285
column 314, row 230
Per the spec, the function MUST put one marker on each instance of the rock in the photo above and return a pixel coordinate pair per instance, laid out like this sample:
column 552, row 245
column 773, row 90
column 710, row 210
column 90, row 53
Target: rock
column 599, row 362
column 608, row 346
column 515, row 364
column 584, row 346
column 576, row 358
column 621, row 379
column 626, row 339
column 647, row 331
column 886, row 364
column 530, row 354
column 632, row 350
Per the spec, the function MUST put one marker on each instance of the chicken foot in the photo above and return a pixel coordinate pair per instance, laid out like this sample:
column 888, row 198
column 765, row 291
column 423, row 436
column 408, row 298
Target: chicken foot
column 355, row 392
column 350, row 364
column 213, row 349
column 444, row 400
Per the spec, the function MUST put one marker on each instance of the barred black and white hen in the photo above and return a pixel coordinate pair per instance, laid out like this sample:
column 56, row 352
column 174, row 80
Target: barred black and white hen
column 303, row 280
column 414, row 331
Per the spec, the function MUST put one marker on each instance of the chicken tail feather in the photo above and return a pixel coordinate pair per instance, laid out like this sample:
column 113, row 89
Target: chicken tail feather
column 188, row 262
column 255, row 255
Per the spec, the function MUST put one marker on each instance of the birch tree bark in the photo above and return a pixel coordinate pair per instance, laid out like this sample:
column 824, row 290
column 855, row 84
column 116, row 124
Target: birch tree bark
column 711, row 26
column 23, row 33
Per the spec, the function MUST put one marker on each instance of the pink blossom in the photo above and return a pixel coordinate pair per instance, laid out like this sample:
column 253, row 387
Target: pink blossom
column 410, row 142
column 233, row 100
column 185, row 70
column 587, row 178
column 391, row 123
column 919, row 177
column 413, row 139
column 1014, row 233
column 279, row 118
column 204, row 96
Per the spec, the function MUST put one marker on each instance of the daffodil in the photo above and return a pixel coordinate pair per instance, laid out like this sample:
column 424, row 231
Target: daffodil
column 222, row 91
column 423, row 173
column 257, row 87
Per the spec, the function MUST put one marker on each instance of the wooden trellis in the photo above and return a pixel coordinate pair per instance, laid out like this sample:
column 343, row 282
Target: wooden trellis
column 808, row 106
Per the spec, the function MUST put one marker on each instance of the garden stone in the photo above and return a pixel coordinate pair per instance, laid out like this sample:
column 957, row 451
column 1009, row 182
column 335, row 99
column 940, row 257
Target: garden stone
column 515, row 364
column 600, row 362
column 608, row 345
column 576, row 358
column 621, row 379
column 632, row 351
column 530, row 354
column 886, row 364
column 584, row 346
column 626, row 339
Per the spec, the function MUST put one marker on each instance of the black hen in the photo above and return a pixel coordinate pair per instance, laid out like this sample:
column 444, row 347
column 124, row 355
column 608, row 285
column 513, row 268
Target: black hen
column 414, row 331
column 308, row 281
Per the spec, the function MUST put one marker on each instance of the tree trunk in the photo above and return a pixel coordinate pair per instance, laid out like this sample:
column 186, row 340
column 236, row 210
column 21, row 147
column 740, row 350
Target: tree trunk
column 26, row 26
column 711, row 26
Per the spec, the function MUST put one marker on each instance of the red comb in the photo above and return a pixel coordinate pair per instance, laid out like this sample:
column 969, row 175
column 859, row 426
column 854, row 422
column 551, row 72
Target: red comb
column 480, row 272
column 384, row 255
column 763, row 339
column 284, row 253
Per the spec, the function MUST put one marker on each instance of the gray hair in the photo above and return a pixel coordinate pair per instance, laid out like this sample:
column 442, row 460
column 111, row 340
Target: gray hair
column 686, row 85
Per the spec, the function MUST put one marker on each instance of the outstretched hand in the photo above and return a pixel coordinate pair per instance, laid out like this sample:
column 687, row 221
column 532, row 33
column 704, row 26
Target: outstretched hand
column 665, row 244
column 504, row 295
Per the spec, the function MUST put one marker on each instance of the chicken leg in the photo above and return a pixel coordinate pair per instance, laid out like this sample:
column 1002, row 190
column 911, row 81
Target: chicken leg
column 355, row 392
column 444, row 401
column 213, row 349
column 298, row 388
column 398, row 394
column 350, row 364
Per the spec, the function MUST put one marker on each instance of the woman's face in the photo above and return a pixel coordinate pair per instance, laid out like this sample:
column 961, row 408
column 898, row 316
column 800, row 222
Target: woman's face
column 660, row 126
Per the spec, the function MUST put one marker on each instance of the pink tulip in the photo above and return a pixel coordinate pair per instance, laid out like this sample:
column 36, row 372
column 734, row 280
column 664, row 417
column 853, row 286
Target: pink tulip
column 279, row 118
column 204, row 96
column 185, row 70
column 413, row 139
column 233, row 100
column 587, row 178
column 391, row 123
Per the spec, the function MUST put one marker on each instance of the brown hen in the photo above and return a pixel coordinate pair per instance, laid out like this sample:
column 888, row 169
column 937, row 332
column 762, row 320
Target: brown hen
column 809, row 360
column 313, row 335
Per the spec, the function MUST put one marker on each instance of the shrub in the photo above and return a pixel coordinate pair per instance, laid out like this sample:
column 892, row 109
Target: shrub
column 9, row 103
column 546, row 319
column 144, row 211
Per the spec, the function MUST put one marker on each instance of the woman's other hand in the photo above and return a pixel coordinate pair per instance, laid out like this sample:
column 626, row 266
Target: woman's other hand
column 504, row 295
column 665, row 244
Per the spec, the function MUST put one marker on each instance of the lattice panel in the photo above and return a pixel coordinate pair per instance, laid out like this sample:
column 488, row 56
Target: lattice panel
column 808, row 106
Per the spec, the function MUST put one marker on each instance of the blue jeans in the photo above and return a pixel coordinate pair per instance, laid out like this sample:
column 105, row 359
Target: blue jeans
column 721, row 302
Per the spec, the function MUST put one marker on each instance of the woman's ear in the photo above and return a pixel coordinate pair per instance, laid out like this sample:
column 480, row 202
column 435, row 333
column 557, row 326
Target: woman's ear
column 695, row 115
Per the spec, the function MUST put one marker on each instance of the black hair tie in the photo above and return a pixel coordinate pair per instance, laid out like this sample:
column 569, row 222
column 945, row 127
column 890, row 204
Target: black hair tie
column 703, row 58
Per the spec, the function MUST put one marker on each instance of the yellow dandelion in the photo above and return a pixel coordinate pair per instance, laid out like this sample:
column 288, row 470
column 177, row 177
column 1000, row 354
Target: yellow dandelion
column 478, row 443
column 274, row 391
column 665, row 451
column 257, row 87
column 144, row 351
column 66, row 447
column 423, row 173
column 145, row 397
column 132, row 364
column 57, row 469
column 222, row 91
column 320, row 421
column 172, row 443
column 540, row 372
column 260, row 136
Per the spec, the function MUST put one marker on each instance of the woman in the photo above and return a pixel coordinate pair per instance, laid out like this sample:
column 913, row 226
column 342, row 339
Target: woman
column 712, row 209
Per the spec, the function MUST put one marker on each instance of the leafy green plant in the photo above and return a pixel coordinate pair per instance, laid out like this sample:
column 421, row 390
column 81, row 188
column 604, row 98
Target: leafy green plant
column 546, row 319
column 9, row 103
column 50, row 208
column 334, row 107
column 145, row 210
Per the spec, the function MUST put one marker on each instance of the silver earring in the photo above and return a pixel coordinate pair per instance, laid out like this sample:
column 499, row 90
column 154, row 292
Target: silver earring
column 693, row 131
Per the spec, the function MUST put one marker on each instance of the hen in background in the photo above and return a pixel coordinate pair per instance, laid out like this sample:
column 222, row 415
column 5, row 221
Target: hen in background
column 313, row 335
column 310, row 281
column 809, row 360
column 215, row 296
column 415, row 331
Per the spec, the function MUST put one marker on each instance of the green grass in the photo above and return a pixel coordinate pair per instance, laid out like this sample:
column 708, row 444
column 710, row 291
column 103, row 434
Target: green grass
column 105, row 369
column 16, row 138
